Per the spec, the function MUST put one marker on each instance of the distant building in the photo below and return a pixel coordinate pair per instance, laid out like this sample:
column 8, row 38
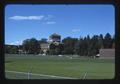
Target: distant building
column 107, row 53
column 44, row 47
column 54, row 38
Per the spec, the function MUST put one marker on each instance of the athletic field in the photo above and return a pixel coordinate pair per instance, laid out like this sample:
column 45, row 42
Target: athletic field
column 57, row 67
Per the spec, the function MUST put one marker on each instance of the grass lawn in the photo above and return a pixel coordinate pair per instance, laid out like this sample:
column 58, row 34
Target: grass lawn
column 77, row 67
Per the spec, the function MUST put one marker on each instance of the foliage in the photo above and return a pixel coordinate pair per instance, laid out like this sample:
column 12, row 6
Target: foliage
column 31, row 46
column 83, row 46
column 56, row 49
column 69, row 45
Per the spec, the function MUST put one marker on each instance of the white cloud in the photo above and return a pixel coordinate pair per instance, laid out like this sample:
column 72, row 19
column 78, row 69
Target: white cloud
column 27, row 17
column 16, row 43
column 76, row 30
column 50, row 22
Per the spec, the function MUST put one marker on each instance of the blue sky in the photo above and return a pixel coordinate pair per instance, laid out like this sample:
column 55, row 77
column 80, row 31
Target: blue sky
column 40, row 21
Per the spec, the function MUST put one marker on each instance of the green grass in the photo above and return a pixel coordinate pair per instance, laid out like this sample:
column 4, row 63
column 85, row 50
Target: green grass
column 60, row 66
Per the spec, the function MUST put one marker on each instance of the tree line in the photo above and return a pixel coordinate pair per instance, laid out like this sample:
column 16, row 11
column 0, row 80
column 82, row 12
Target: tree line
column 88, row 46
column 83, row 46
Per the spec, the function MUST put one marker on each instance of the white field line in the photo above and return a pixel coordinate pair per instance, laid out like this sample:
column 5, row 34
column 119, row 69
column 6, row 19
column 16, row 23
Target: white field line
column 85, row 75
column 42, row 75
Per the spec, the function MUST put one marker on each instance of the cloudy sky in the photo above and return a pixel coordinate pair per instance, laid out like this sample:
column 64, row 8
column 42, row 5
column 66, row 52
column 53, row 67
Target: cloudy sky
column 40, row 21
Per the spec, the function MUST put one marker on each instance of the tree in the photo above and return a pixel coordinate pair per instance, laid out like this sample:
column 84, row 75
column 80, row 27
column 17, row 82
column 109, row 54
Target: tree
column 11, row 49
column 95, row 45
column 52, row 49
column 56, row 49
column 107, row 41
column 77, row 47
column 60, row 48
column 88, row 46
column 88, row 50
column 69, row 45
column 31, row 46
column 101, row 39
column 81, row 47
column 43, row 40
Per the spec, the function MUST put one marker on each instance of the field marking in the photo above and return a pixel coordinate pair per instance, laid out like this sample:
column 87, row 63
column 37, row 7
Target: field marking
column 41, row 75
column 85, row 75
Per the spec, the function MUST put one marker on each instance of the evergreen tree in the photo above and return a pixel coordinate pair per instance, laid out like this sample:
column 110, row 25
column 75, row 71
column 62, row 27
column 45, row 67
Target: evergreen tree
column 107, row 41
column 69, row 45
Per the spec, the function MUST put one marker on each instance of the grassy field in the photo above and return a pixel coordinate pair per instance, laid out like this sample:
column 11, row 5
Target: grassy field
column 55, row 67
